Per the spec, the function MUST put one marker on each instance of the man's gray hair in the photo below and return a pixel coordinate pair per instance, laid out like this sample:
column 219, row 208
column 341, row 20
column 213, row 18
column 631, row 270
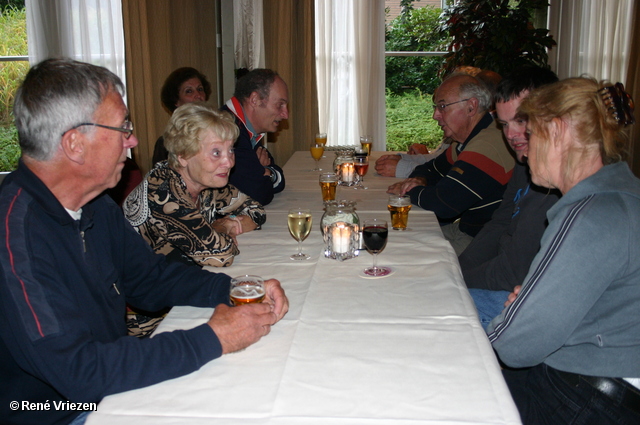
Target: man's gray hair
column 473, row 87
column 56, row 95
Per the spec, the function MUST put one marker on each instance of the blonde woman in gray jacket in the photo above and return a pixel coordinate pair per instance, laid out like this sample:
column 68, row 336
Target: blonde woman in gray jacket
column 570, row 335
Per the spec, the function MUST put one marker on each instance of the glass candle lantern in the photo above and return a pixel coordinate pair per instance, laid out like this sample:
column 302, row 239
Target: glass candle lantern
column 339, row 212
column 345, row 169
column 342, row 240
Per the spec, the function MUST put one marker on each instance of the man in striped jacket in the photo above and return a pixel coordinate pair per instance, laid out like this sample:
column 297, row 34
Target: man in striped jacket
column 464, row 185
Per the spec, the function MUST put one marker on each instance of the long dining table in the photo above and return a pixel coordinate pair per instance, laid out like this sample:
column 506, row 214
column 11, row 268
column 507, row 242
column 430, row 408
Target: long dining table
column 403, row 349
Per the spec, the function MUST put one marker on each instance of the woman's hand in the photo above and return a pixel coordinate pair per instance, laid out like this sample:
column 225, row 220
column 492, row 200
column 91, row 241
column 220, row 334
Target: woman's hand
column 229, row 226
column 234, row 226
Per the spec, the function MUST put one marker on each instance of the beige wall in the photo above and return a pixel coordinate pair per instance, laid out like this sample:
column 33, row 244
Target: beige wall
column 290, row 50
column 160, row 36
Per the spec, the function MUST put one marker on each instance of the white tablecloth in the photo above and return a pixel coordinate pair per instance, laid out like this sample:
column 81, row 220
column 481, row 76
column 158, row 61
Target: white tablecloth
column 404, row 349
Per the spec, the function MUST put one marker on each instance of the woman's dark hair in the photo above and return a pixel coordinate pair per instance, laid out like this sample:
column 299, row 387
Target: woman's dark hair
column 170, row 93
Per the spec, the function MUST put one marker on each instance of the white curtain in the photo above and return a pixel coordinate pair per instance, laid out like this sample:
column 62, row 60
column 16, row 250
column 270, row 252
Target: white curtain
column 593, row 36
column 350, row 70
column 84, row 30
column 248, row 34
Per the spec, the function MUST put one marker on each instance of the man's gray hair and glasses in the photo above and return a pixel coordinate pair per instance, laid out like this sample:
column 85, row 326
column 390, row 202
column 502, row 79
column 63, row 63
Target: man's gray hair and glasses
column 127, row 127
column 443, row 106
column 56, row 95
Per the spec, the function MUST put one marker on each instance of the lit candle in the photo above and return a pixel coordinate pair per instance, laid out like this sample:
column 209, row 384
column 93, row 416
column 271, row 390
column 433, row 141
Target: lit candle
column 340, row 238
column 348, row 172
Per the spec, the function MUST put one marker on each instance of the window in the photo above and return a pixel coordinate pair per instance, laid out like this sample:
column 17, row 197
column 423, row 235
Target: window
column 13, row 67
column 413, row 54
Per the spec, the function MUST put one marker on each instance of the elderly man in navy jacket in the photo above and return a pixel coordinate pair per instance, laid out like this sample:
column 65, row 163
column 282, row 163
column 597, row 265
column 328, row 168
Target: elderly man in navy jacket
column 70, row 262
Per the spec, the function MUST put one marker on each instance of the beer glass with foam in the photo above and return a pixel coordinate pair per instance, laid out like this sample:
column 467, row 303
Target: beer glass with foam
column 247, row 289
column 328, row 185
column 366, row 142
column 399, row 206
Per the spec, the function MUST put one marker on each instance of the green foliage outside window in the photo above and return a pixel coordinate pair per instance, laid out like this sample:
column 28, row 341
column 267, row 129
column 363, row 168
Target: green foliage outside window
column 414, row 30
column 498, row 35
column 410, row 81
column 15, row 4
column 13, row 42
column 409, row 121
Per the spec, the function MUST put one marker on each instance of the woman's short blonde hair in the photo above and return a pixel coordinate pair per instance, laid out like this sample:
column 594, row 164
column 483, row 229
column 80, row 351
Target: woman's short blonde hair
column 182, row 134
column 578, row 102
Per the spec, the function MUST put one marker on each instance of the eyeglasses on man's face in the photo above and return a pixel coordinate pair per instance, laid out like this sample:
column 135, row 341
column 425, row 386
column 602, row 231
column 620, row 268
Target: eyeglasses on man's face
column 442, row 106
column 127, row 128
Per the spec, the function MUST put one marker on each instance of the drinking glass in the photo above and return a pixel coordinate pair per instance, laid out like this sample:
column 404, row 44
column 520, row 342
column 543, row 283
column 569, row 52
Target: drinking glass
column 328, row 185
column 399, row 207
column 361, row 164
column 246, row 289
column 374, row 234
column 321, row 139
column 316, row 152
column 299, row 221
column 360, row 151
column 366, row 142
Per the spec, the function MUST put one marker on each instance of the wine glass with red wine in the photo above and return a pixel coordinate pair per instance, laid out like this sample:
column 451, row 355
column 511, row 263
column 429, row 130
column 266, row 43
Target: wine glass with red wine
column 374, row 234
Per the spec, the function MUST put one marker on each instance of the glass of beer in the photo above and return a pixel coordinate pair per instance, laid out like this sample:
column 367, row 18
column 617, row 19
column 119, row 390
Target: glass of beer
column 247, row 289
column 299, row 222
column 316, row 153
column 321, row 139
column 366, row 142
column 328, row 185
column 399, row 206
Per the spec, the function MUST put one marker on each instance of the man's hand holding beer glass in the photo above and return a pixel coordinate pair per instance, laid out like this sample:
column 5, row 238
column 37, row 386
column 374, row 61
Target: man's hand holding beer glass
column 401, row 188
column 239, row 327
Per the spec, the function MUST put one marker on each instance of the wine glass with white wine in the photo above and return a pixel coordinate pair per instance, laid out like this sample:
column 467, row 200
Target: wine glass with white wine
column 299, row 221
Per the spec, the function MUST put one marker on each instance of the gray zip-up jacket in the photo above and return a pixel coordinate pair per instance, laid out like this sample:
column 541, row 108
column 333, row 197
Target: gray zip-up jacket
column 579, row 308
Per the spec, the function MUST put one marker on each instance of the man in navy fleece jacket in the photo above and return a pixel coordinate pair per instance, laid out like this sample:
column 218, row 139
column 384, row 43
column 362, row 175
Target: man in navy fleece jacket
column 70, row 262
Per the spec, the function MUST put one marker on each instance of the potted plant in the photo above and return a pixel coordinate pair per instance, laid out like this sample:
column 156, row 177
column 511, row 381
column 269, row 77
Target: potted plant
column 496, row 35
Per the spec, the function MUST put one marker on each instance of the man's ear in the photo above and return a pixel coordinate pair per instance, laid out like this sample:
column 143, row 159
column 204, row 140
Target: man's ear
column 255, row 100
column 472, row 106
column 73, row 145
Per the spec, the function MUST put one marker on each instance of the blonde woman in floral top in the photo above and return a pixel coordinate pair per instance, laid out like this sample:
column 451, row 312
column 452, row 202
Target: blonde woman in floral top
column 185, row 208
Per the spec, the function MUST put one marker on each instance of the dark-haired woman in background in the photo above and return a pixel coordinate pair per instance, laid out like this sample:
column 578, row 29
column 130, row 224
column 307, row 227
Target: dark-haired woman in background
column 184, row 85
column 572, row 330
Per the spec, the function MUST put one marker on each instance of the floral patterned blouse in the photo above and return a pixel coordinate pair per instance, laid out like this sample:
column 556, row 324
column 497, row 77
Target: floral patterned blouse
column 162, row 211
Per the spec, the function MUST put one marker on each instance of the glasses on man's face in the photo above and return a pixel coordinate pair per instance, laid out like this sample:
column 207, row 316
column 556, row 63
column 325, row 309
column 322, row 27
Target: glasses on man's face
column 442, row 106
column 127, row 128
